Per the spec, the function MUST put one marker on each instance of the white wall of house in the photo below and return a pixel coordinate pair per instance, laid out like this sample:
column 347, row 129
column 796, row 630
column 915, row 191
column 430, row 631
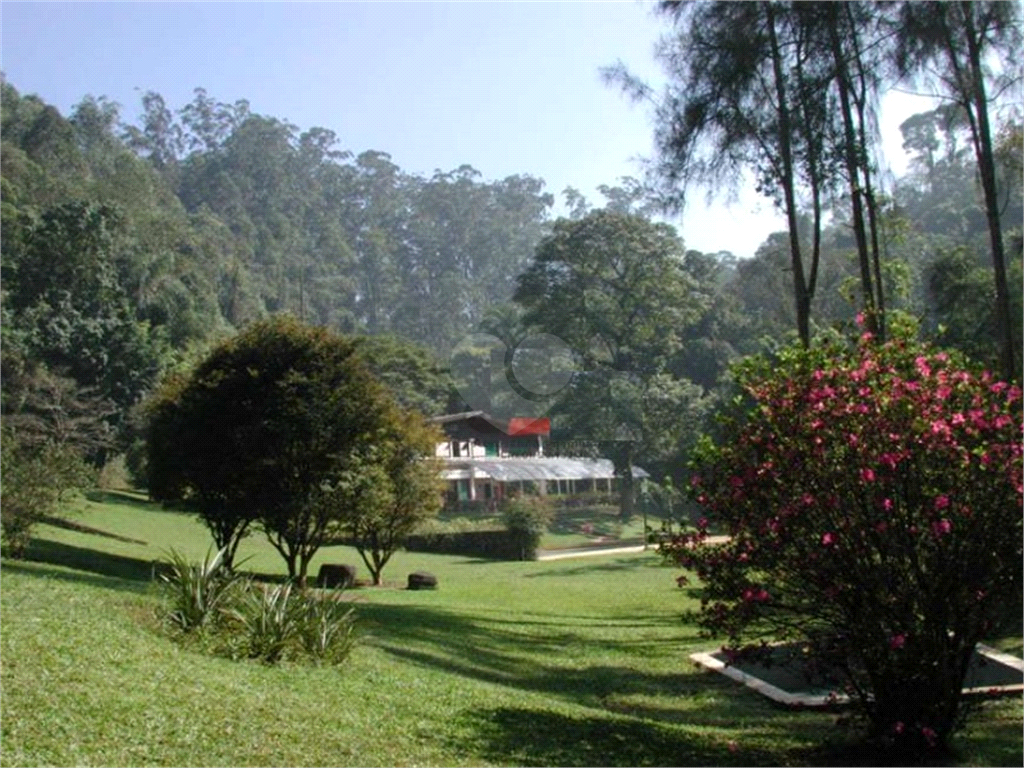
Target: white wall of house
column 462, row 449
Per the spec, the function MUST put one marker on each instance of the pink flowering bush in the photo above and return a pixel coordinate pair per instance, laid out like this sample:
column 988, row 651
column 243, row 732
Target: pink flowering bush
column 873, row 498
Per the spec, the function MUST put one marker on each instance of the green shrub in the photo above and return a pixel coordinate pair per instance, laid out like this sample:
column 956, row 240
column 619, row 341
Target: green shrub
column 36, row 480
column 494, row 544
column 527, row 517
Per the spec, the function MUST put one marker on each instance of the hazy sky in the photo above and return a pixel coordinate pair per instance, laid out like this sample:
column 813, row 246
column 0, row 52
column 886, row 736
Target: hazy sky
column 507, row 87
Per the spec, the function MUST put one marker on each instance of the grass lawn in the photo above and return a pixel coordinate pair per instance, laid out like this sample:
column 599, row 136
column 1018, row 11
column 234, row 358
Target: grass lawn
column 570, row 662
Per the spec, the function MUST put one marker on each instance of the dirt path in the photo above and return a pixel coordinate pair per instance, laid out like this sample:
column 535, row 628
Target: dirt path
column 564, row 554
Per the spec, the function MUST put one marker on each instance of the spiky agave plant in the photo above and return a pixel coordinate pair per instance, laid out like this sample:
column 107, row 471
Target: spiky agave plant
column 325, row 627
column 269, row 621
column 198, row 592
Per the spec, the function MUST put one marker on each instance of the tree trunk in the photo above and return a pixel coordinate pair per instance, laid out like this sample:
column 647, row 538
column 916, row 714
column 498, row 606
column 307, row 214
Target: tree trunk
column 870, row 203
column 801, row 296
column 626, row 496
column 982, row 134
column 850, row 152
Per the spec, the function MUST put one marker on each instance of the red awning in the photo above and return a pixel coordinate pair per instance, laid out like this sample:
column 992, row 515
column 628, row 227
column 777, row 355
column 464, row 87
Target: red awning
column 528, row 426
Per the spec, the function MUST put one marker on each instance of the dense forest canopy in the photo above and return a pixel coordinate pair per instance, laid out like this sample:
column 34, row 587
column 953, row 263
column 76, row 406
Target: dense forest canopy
column 129, row 248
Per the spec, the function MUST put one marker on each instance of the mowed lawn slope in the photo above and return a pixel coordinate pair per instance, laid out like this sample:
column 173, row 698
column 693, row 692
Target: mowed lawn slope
column 571, row 662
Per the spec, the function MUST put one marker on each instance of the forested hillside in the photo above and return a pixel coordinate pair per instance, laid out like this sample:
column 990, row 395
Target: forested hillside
column 128, row 248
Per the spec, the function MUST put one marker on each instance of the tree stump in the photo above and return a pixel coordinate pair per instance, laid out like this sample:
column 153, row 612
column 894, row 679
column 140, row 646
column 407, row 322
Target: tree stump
column 422, row 580
column 331, row 576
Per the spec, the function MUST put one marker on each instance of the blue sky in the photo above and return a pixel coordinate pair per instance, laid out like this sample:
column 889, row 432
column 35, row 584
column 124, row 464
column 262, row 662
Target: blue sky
column 507, row 87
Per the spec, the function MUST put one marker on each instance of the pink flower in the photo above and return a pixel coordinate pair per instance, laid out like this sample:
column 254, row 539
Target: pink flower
column 897, row 641
column 827, row 539
column 921, row 363
column 860, row 320
column 898, row 727
column 929, row 735
column 941, row 528
column 867, row 475
column 941, row 501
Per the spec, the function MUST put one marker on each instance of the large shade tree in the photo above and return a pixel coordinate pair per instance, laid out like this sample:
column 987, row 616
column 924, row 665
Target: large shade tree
column 613, row 287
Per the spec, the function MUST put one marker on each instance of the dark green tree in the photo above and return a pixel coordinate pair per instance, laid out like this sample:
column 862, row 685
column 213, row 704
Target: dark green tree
column 64, row 292
column 388, row 490
column 613, row 287
column 410, row 372
column 270, row 429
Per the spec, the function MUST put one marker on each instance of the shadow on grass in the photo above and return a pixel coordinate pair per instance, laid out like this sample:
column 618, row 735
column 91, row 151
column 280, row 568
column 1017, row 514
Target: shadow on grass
column 541, row 737
column 90, row 560
column 493, row 651
column 619, row 565
column 603, row 518
column 47, row 570
column 132, row 500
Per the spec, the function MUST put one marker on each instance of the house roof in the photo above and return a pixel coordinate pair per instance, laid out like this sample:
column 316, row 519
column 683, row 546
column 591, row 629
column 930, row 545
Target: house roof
column 449, row 418
column 534, row 468
column 482, row 424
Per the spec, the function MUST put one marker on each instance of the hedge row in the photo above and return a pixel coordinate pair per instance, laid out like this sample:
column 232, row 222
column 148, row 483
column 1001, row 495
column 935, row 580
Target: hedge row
column 492, row 544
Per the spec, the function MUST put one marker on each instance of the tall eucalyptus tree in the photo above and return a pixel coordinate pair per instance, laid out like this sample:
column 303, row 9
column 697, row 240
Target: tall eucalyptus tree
column 741, row 95
column 969, row 52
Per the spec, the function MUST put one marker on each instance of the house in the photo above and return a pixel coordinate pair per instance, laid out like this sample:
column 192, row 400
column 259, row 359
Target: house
column 488, row 459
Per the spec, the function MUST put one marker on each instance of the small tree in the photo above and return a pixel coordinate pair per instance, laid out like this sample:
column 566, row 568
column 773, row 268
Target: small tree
column 36, row 479
column 260, row 433
column 873, row 498
column 388, row 490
